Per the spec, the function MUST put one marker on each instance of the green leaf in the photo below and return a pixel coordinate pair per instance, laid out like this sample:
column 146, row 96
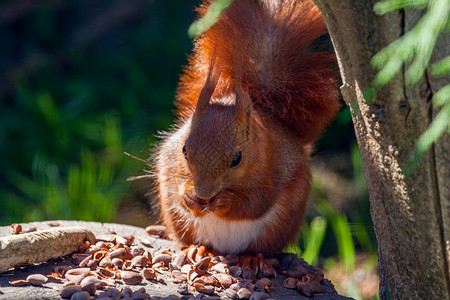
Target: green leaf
column 442, row 67
column 440, row 124
column 383, row 7
column 209, row 19
column 416, row 47
column 315, row 240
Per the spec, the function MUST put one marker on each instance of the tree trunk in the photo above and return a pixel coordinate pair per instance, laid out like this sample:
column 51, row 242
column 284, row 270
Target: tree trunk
column 411, row 214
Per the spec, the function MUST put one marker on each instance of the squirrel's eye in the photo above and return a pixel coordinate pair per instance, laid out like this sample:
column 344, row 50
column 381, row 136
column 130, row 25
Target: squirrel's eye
column 184, row 152
column 236, row 159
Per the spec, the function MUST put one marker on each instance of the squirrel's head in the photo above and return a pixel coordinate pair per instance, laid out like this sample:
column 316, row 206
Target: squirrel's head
column 217, row 149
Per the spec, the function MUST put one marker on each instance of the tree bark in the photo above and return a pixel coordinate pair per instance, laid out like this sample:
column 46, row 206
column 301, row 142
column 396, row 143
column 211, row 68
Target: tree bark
column 411, row 214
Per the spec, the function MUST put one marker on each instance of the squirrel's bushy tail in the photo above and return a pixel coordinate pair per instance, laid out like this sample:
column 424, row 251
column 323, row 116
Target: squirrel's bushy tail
column 286, row 77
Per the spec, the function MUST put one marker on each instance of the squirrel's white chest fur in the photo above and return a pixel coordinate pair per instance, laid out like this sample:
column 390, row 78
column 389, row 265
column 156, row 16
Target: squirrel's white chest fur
column 230, row 236
column 226, row 236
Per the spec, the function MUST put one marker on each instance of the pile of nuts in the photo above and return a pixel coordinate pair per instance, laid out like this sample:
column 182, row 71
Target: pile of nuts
column 116, row 259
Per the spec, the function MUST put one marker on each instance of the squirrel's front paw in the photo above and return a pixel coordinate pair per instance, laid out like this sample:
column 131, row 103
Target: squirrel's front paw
column 195, row 204
column 220, row 204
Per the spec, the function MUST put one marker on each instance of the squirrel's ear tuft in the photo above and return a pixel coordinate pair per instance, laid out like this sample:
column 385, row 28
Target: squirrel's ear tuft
column 210, row 85
column 243, row 102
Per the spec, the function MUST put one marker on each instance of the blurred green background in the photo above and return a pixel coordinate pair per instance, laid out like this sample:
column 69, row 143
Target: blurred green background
column 84, row 81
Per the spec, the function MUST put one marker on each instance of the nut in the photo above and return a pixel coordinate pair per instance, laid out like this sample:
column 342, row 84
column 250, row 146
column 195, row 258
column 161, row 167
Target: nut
column 313, row 283
column 162, row 258
column 235, row 271
column 68, row 291
column 259, row 296
column 122, row 253
column 186, row 268
column 149, row 273
column 89, row 287
column 273, row 262
column 263, row 285
column 136, row 251
column 83, row 295
column 205, row 289
column 126, row 292
column 37, row 279
column 140, row 261
column 290, row 282
column 244, row 293
column 304, row 289
column 117, row 262
column 106, row 262
column 16, row 228
column 131, row 277
column 178, row 276
column 178, row 260
column 92, row 264
column 91, row 279
column 225, row 280
column 221, row 268
column 230, row 293
column 53, row 224
column 232, row 259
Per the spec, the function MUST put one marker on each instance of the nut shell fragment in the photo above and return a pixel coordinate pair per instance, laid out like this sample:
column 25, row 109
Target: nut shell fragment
column 158, row 230
column 126, row 239
column 106, row 272
column 201, row 267
column 76, row 275
column 29, row 229
column 19, row 282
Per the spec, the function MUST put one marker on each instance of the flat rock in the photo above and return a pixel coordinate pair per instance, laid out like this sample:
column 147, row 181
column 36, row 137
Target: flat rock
column 50, row 290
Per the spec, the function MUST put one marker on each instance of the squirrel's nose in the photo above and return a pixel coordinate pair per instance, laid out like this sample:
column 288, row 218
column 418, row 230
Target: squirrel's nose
column 206, row 193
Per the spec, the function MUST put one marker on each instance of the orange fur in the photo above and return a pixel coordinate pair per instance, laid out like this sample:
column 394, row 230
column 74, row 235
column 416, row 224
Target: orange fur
column 285, row 78
column 254, row 89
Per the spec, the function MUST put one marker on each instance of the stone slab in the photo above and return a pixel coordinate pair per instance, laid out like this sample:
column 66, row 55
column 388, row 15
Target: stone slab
column 50, row 290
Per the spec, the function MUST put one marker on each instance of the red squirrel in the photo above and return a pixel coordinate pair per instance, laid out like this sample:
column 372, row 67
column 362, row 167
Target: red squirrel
column 234, row 174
